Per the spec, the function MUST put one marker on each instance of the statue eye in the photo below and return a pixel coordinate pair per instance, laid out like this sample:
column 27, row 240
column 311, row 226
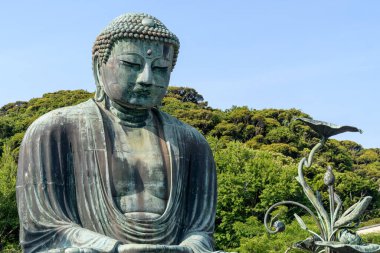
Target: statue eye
column 133, row 65
column 160, row 66
column 160, row 69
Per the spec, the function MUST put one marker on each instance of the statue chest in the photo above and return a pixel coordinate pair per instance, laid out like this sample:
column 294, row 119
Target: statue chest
column 138, row 174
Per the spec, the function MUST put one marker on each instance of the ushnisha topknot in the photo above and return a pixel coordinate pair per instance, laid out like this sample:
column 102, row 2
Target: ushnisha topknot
column 133, row 26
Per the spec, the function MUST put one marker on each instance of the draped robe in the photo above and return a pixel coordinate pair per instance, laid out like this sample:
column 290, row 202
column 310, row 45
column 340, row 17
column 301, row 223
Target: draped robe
column 64, row 190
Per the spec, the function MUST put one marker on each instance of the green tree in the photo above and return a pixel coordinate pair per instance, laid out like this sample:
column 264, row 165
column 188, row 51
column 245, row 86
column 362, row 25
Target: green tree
column 246, row 182
column 8, row 208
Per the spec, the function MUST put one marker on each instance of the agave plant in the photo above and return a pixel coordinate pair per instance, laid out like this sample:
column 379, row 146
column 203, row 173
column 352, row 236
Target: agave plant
column 333, row 224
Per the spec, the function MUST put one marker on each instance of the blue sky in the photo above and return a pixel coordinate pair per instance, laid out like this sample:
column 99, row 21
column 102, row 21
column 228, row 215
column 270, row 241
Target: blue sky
column 322, row 57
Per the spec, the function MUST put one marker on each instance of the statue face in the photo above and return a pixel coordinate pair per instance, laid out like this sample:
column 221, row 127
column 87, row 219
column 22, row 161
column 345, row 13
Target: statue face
column 137, row 73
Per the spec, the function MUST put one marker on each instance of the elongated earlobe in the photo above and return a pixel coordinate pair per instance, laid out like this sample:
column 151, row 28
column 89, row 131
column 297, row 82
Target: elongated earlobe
column 99, row 94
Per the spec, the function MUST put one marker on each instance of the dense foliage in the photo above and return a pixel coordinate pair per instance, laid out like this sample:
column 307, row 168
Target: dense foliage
column 256, row 152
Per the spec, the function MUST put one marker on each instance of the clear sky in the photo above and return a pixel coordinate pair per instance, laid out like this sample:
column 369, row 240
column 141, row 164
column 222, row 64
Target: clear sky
column 322, row 57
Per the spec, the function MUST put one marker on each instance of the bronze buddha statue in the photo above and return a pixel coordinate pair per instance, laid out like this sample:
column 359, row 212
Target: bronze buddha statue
column 115, row 174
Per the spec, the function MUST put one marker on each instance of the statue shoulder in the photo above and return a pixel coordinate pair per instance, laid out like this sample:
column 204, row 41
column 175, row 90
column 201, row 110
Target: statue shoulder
column 62, row 117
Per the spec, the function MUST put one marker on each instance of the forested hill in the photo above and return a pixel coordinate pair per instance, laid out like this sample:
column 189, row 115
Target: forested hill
column 256, row 152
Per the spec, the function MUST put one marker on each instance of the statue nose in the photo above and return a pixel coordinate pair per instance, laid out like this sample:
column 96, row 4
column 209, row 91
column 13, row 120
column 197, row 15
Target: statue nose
column 145, row 78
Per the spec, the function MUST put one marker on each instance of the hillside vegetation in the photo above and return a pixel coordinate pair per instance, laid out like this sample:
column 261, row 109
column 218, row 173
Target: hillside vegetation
column 256, row 152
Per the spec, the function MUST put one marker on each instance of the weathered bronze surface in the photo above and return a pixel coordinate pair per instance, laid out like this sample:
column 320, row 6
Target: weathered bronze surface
column 334, row 225
column 115, row 174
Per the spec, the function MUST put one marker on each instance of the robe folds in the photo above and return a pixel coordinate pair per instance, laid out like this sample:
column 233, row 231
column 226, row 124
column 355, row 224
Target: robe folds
column 64, row 190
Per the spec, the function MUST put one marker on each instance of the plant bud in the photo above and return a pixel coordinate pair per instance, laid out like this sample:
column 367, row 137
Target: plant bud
column 329, row 178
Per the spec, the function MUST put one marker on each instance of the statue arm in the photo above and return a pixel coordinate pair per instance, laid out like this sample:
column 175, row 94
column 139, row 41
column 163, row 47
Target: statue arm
column 46, row 193
column 201, row 199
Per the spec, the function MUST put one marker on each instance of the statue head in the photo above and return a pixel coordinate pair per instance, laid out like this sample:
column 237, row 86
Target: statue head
column 132, row 61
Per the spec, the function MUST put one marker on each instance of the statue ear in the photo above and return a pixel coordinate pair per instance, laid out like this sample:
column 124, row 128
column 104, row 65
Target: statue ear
column 99, row 94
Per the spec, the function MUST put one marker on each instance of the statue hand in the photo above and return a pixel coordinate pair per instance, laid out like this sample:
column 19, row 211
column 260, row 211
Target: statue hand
column 177, row 249
column 139, row 248
column 148, row 248
column 72, row 250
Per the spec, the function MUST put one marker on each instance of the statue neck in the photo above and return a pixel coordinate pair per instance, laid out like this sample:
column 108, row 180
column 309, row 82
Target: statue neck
column 130, row 117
